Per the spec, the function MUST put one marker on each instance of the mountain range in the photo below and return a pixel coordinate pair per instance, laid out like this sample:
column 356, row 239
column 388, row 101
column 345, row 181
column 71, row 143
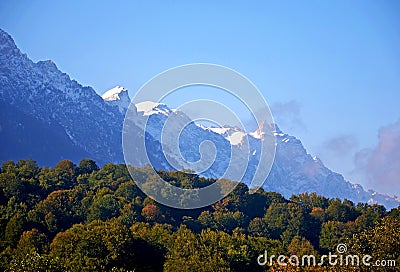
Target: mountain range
column 47, row 116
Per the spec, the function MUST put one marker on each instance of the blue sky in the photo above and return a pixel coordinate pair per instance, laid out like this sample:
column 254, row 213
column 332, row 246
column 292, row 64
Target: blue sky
column 330, row 70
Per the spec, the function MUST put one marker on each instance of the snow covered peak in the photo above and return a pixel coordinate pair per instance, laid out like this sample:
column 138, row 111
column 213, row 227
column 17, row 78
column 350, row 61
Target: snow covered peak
column 259, row 133
column 114, row 93
column 219, row 130
column 118, row 96
column 150, row 107
column 233, row 134
column 236, row 138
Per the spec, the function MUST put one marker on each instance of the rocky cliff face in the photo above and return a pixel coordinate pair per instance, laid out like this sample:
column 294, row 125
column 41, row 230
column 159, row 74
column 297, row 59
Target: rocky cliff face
column 44, row 92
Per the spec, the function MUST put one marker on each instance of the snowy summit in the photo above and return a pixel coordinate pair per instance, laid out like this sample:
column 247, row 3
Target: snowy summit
column 118, row 96
column 150, row 107
column 114, row 93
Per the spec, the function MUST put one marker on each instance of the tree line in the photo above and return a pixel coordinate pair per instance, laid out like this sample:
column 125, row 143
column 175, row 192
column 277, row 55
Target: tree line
column 85, row 218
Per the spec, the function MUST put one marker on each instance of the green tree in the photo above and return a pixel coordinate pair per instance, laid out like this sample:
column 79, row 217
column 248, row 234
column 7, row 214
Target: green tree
column 334, row 233
column 14, row 229
column 382, row 242
column 101, row 246
column 55, row 212
column 189, row 253
column 59, row 178
column 206, row 219
column 20, row 181
column 128, row 214
column 128, row 190
column 342, row 212
column 258, row 228
column 104, row 207
column 32, row 241
column 309, row 201
column 28, row 170
column 300, row 246
column 87, row 166
column 285, row 218
column 395, row 212
column 228, row 221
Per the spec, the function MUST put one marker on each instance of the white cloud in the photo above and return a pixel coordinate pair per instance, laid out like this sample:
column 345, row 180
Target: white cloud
column 288, row 116
column 381, row 165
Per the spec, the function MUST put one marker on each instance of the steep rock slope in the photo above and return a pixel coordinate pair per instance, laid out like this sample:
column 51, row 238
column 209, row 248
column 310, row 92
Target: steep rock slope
column 44, row 92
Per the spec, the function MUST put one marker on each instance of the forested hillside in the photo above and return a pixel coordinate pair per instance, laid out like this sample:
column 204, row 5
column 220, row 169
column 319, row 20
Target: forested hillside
column 83, row 218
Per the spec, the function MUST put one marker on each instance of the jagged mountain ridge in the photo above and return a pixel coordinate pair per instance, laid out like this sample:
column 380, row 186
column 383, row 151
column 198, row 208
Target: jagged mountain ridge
column 294, row 171
column 93, row 125
column 41, row 90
